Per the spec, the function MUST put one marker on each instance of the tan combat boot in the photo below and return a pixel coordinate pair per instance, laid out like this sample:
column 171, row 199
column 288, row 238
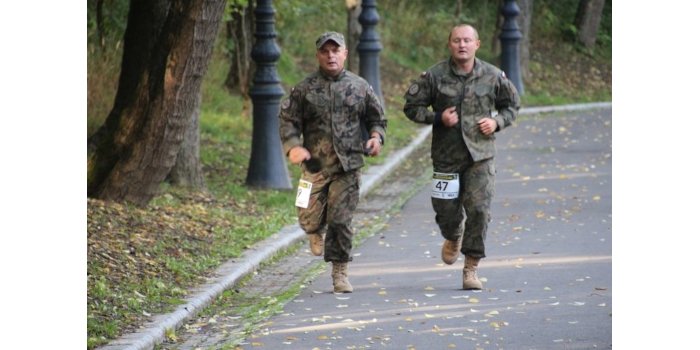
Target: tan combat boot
column 450, row 251
column 340, row 278
column 469, row 278
column 316, row 243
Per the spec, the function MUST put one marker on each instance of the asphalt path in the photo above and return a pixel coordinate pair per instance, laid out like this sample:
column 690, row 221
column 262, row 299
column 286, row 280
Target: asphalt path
column 547, row 276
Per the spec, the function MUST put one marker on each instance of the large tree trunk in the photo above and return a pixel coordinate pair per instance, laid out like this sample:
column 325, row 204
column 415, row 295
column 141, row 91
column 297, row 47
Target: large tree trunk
column 240, row 31
column 496, row 39
column 524, row 22
column 588, row 21
column 168, row 45
column 187, row 171
column 145, row 22
column 354, row 8
column 100, row 23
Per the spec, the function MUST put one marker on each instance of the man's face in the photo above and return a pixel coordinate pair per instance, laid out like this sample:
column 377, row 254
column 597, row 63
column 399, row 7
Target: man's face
column 331, row 58
column 463, row 44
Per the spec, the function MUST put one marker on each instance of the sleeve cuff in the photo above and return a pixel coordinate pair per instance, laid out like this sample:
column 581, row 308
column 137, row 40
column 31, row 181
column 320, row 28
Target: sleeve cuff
column 380, row 131
column 291, row 143
column 499, row 121
column 437, row 118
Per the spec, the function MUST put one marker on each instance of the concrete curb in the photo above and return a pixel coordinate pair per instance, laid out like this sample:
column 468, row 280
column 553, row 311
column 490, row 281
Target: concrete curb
column 564, row 108
column 232, row 271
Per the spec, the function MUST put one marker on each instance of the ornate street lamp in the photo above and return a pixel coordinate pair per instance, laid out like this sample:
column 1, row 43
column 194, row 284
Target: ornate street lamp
column 369, row 46
column 267, row 167
column 510, row 36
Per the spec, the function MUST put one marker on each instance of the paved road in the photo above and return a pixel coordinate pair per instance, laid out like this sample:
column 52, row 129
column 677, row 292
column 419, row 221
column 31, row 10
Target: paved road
column 547, row 278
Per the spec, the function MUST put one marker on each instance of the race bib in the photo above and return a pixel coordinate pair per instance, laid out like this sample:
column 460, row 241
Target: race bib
column 445, row 185
column 303, row 194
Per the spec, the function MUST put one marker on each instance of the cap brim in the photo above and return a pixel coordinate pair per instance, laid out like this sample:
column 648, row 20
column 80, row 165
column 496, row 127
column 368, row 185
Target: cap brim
column 320, row 45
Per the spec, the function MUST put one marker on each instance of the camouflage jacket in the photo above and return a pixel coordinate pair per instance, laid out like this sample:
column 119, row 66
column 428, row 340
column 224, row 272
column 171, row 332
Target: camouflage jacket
column 327, row 114
column 485, row 92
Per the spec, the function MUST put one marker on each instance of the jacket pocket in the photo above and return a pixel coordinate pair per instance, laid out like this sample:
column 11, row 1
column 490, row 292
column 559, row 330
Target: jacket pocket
column 317, row 104
column 485, row 98
column 448, row 95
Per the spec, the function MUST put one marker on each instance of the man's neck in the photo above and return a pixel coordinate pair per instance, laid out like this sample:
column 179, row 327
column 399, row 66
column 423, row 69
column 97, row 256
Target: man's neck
column 465, row 66
column 330, row 76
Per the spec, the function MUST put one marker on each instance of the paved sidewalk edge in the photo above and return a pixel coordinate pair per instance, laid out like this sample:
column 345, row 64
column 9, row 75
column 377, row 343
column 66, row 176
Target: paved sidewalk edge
column 572, row 107
column 232, row 271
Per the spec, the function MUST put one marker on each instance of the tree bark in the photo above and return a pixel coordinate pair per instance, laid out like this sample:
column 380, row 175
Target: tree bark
column 168, row 45
column 587, row 21
column 458, row 9
column 240, row 31
column 496, row 39
column 354, row 8
column 100, row 23
column 524, row 22
column 187, row 171
column 144, row 23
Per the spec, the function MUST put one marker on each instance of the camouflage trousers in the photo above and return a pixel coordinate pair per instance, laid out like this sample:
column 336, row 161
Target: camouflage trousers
column 469, row 214
column 331, row 206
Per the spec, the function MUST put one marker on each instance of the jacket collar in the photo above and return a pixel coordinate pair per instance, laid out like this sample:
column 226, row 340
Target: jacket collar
column 330, row 78
column 476, row 71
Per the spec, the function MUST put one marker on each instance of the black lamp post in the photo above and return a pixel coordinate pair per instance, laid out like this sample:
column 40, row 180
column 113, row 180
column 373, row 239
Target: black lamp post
column 267, row 167
column 369, row 46
column 510, row 36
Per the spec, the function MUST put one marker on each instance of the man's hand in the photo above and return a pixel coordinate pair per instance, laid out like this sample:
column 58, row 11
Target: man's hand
column 374, row 144
column 299, row 154
column 487, row 126
column 450, row 117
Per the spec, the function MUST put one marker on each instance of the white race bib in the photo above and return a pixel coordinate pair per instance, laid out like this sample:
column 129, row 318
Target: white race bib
column 303, row 194
column 445, row 185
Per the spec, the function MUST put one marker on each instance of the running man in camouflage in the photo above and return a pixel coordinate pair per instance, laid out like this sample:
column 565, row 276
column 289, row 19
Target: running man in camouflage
column 322, row 124
column 471, row 100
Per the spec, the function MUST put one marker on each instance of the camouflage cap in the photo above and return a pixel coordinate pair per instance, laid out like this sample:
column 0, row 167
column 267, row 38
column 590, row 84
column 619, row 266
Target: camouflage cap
column 335, row 36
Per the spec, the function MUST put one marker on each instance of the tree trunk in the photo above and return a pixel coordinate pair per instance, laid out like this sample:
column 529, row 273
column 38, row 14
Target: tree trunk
column 588, row 21
column 187, row 171
column 168, row 45
column 354, row 8
column 524, row 23
column 496, row 40
column 144, row 22
column 240, row 31
column 458, row 9
column 100, row 23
